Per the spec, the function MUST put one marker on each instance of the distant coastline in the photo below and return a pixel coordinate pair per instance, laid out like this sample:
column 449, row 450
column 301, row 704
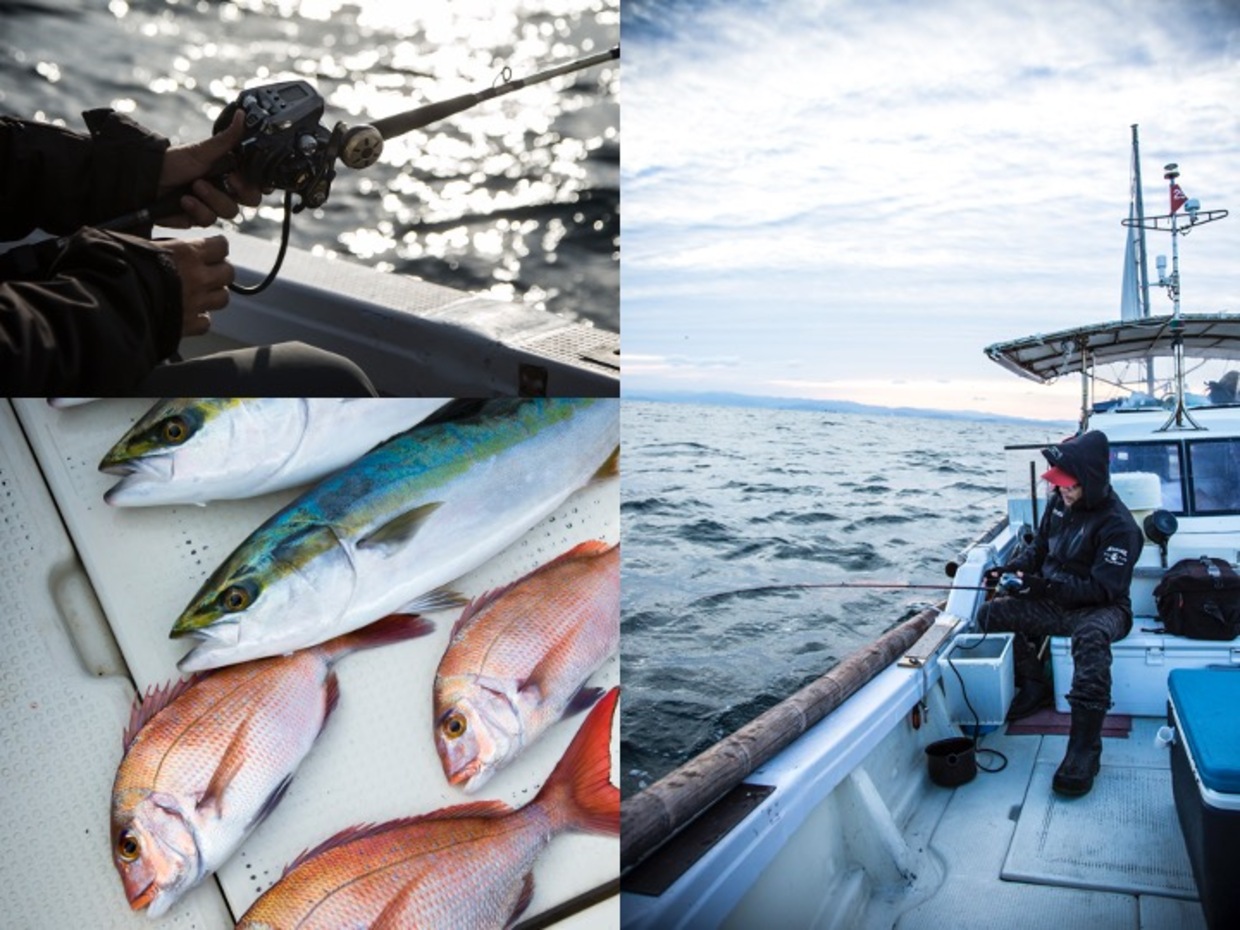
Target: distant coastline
column 726, row 399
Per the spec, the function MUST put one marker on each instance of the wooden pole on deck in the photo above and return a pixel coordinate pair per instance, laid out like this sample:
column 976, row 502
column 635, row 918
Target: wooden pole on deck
column 651, row 817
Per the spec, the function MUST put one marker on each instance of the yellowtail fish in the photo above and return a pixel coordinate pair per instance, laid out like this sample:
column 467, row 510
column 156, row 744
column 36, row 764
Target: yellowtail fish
column 518, row 660
column 191, row 450
column 208, row 758
column 388, row 532
column 462, row 867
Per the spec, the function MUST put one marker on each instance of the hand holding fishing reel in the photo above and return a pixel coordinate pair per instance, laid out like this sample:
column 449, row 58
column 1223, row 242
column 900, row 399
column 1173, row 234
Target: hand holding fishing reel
column 285, row 147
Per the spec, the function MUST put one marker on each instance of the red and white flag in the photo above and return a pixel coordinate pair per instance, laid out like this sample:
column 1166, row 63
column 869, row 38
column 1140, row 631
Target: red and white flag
column 1178, row 197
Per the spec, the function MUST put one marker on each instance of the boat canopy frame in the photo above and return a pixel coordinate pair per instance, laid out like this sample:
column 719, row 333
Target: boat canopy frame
column 1047, row 357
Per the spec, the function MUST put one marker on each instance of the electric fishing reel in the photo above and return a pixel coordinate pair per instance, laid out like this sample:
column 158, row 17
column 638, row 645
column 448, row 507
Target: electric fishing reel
column 285, row 146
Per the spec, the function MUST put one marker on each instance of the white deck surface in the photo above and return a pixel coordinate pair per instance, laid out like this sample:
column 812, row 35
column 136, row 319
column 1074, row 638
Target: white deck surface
column 74, row 573
column 972, row 839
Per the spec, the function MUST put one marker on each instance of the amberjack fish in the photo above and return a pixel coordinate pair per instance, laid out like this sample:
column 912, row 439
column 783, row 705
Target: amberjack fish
column 388, row 532
column 519, row 658
column 463, row 867
column 191, row 450
column 207, row 759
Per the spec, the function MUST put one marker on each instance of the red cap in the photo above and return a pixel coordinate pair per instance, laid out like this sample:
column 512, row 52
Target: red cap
column 1058, row 477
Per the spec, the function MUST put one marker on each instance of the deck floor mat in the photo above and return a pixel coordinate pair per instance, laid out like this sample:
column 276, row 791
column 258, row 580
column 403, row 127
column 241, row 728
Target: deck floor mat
column 1049, row 721
column 1123, row 836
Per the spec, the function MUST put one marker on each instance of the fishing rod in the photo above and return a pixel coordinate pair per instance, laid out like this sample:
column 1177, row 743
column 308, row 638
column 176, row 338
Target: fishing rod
column 1007, row 583
column 285, row 147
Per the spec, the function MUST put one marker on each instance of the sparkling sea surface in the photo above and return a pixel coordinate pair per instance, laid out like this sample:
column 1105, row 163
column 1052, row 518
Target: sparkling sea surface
column 517, row 198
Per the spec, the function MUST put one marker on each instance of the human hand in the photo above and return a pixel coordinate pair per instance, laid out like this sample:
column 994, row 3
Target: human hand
column 991, row 576
column 192, row 164
column 1034, row 586
column 205, row 273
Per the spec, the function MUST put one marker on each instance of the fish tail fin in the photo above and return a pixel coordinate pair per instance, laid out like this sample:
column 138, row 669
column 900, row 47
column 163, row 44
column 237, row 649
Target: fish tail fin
column 394, row 628
column 580, row 787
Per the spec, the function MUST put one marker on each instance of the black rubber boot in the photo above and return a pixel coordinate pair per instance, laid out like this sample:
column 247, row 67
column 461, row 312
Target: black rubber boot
column 1035, row 691
column 1075, row 775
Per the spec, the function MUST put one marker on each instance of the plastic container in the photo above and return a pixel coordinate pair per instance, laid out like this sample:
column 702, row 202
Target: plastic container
column 1205, row 778
column 1140, row 664
column 983, row 664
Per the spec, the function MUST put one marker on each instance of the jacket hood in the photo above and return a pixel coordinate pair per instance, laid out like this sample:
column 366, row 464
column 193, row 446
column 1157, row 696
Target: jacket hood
column 1087, row 458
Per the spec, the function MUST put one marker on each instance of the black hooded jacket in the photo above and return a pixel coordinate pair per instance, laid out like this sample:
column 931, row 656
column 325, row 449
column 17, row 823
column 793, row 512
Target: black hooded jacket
column 95, row 313
column 1086, row 552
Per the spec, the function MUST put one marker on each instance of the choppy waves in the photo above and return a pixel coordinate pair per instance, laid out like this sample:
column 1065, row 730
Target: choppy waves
column 718, row 501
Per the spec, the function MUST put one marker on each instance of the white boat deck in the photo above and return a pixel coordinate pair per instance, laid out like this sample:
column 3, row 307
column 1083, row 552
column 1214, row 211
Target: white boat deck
column 87, row 595
column 973, row 838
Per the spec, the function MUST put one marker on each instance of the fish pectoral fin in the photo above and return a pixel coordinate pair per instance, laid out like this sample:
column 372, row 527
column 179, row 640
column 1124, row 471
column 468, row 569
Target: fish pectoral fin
column 523, row 902
column 399, row 530
column 610, row 467
column 584, row 699
column 392, row 917
column 272, row 801
column 231, row 763
column 440, row 599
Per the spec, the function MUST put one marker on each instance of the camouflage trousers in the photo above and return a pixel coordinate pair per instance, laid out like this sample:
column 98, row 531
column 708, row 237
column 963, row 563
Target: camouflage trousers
column 1092, row 629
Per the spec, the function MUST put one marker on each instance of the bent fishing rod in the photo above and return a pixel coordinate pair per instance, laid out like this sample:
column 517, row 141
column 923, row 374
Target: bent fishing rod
column 285, row 147
column 1007, row 583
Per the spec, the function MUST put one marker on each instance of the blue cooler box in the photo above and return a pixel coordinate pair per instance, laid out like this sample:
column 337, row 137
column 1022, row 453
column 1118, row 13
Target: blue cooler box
column 1205, row 776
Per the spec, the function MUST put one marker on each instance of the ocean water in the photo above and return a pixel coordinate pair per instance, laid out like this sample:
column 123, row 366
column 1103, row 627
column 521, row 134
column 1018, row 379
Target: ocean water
column 518, row 197
column 719, row 499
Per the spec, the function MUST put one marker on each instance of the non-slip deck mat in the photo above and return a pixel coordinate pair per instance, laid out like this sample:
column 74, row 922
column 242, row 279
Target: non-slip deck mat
column 1049, row 721
column 1122, row 836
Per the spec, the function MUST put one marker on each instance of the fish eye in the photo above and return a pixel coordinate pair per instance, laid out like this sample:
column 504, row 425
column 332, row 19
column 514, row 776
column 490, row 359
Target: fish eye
column 174, row 430
column 454, row 726
column 236, row 598
column 127, row 846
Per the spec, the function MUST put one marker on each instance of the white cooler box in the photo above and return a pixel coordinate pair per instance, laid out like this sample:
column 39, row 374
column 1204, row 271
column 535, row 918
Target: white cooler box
column 1140, row 665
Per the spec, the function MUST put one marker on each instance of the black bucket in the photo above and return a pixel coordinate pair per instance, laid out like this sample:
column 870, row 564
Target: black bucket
column 951, row 762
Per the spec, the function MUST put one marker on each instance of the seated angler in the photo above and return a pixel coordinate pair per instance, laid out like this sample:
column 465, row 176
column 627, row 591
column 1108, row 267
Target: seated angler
column 1074, row 581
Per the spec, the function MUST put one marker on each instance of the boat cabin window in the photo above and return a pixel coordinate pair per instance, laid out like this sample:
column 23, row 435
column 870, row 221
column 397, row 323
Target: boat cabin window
column 1159, row 458
column 1215, row 468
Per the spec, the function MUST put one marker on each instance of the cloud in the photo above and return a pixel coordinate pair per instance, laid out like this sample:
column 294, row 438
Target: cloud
column 863, row 184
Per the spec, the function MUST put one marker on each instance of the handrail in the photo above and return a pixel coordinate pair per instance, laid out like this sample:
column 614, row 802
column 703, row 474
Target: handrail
column 657, row 813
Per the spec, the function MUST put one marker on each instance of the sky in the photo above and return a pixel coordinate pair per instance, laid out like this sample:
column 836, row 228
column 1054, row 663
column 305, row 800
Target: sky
column 850, row 199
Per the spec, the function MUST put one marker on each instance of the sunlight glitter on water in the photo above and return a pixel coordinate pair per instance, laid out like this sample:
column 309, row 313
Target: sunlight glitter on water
column 537, row 166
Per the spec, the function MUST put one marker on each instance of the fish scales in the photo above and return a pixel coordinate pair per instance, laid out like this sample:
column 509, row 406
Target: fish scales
column 464, row 867
column 200, row 449
column 520, row 656
column 206, row 767
column 411, row 516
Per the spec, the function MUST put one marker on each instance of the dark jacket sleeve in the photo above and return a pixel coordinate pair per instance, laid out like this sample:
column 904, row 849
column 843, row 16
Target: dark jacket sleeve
column 58, row 180
column 107, row 311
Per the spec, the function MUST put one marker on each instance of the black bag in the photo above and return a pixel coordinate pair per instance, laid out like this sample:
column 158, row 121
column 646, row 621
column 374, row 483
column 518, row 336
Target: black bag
column 1200, row 598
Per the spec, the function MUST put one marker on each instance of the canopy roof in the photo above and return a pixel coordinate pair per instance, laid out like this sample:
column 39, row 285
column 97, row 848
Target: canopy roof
column 1046, row 357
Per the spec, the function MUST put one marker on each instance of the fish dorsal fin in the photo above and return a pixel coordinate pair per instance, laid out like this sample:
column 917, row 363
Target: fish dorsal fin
column 610, row 468
column 157, row 697
column 481, row 603
column 231, row 762
column 587, row 549
column 400, row 529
